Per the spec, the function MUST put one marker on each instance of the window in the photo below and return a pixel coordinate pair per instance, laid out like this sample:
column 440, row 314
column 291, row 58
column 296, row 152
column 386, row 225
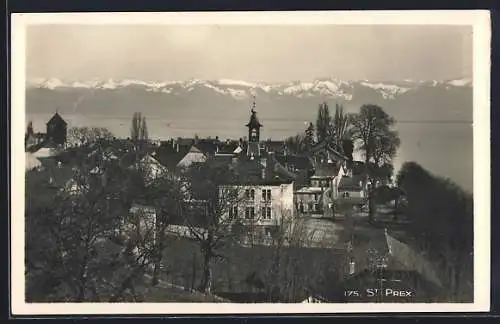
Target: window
column 263, row 212
column 316, row 207
column 233, row 212
column 345, row 194
column 249, row 213
column 301, row 207
column 315, row 196
column 268, row 212
column 249, row 194
column 266, row 194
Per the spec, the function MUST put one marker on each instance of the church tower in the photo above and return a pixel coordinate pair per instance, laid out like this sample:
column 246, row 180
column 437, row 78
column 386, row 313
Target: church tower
column 253, row 133
column 57, row 129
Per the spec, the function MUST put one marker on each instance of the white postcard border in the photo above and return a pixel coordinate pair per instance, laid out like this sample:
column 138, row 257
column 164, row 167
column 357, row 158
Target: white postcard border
column 480, row 20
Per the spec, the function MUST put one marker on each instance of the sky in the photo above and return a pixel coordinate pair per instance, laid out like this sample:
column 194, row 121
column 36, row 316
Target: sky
column 250, row 53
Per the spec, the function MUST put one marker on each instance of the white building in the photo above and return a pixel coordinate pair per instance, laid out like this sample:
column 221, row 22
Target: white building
column 263, row 197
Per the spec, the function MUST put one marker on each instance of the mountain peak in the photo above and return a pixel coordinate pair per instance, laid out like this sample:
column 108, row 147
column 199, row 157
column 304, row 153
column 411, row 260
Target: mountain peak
column 325, row 87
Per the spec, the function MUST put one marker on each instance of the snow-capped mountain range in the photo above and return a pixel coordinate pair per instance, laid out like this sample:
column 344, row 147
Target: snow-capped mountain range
column 405, row 100
column 322, row 87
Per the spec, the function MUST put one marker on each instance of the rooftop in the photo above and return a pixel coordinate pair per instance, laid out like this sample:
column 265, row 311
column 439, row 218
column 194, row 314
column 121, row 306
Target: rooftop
column 310, row 190
column 254, row 121
column 57, row 119
column 351, row 183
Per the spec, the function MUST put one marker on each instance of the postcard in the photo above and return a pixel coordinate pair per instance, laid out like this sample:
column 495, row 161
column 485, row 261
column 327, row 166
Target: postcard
column 250, row 162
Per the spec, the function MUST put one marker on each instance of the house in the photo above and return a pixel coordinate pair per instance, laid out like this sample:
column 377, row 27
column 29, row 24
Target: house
column 151, row 167
column 265, row 197
column 310, row 201
column 324, row 153
column 352, row 189
column 208, row 146
column 378, row 266
column 194, row 155
column 295, row 163
column 169, row 154
column 57, row 129
column 316, row 199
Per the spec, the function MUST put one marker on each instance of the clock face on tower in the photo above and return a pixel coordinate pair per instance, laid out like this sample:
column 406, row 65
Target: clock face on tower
column 253, row 135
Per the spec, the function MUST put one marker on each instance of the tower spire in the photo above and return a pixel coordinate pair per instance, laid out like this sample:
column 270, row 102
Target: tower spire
column 253, row 103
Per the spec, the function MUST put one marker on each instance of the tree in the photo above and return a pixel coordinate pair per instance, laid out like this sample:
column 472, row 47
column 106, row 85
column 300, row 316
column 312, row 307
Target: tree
column 309, row 136
column 208, row 213
column 138, row 129
column 157, row 188
column 372, row 128
column 93, row 247
column 81, row 215
column 441, row 216
column 80, row 136
column 296, row 144
column 348, row 148
column 29, row 132
column 144, row 130
column 323, row 123
column 340, row 126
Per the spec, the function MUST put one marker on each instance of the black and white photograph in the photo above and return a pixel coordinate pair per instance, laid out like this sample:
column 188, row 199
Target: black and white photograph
column 310, row 162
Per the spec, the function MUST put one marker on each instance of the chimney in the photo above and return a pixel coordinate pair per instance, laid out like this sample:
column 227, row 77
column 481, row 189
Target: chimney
column 177, row 147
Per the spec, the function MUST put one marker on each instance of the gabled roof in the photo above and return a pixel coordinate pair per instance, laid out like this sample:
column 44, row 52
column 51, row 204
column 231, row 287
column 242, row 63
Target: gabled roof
column 327, row 146
column 194, row 155
column 57, row 119
column 46, row 152
column 247, row 171
column 194, row 149
column 351, row 183
column 326, row 170
column 396, row 255
column 357, row 167
column 310, row 190
column 169, row 156
column 148, row 158
column 207, row 146
column 299, row 162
